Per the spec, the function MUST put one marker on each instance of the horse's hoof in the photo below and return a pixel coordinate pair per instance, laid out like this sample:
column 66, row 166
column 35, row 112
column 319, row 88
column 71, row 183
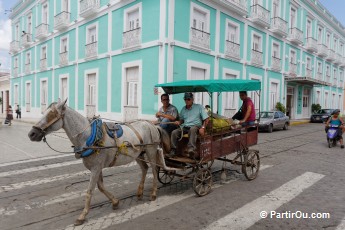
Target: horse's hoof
column 153, row 197
column 116, row 205
column 140, row 197
column 78, row 222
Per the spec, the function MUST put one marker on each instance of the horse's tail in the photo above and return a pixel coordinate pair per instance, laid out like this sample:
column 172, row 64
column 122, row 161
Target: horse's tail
column 165, row 139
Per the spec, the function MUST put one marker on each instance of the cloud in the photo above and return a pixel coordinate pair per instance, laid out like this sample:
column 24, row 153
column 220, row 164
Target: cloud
column 1, row 7
column 5, row 34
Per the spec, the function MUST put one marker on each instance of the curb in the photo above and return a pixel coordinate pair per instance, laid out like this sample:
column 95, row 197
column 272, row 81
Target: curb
column 294, row 123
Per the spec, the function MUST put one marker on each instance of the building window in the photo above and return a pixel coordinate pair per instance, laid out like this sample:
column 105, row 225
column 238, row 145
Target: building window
column 334, row 104
column 28, row 58
column 319, row 35
column 200, row 20
column 319, row 67
column 91, row 89
column 326, row 100
column 292, row 17
column 257, row 42
column 132, row 82
column 199, row 74
column 45, row 14
column 309, row 29
column 328, row 71
column 15, row 64
column 17, row 32
column 44, row 95
column 44, row 52
column 16, row 95
column 276, row 8
column 273, row 95
column 91, row 35
column 292, row 57
column 28, row 97
column 308, row 63
column 335, row 44
column 64, row 45
column 233, row 33
column 64, row 88
column 328, row 40
column 230, row 97
column 318, row 97
column 65, row 5
column 29, row 24
column 276, row 50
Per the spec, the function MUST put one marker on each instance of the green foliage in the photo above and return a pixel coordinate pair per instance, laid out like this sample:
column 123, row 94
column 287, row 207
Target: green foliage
column 0, row 99
column 315, row 107
column 280, row 107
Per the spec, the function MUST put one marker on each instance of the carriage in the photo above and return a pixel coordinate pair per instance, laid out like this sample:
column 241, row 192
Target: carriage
column 228, row 143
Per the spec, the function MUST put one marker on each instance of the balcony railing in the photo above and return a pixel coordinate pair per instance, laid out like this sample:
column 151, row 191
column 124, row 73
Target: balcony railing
column 322, row 50
column 90, row 111
column 293, row 68
column 338, row 59
column 319, row 76
column 27, row 68
column 309, row 72
column 43, row 64
column 296, row 35
column 14, row 47
column 61, row 20
column 15, row 72
column 232, row 50
column 311, row 44
column 200, row 39
column 42, row 31
column 63, row 59
column 89, row 7
column 26, row 39
column 279, row 26
column 330, row 55
column 276, row 63
column 257, row 57
column 131, row 38
column 91, row 50
column 239, row 6
column 260, row 15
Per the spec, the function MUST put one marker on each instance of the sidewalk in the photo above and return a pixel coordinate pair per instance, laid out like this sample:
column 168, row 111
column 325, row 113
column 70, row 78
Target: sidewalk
column 23, row 119
column 299, row 122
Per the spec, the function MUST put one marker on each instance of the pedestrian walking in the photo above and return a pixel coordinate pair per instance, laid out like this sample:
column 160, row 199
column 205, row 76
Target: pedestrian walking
column 19, row 112
column 9, row 116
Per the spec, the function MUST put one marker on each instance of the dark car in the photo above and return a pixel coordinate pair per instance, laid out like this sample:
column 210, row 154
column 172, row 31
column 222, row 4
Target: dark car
column 321, row 116
column 270, row 120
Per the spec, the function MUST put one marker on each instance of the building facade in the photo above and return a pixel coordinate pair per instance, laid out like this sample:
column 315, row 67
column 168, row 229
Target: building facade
column 107, row 55
column 4, row 91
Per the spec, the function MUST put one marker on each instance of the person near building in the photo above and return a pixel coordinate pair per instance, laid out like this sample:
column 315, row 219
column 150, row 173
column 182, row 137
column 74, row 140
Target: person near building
column 167, row 114
column 248, row 110
column 193, row 120
column 19, row 112
column 9, row 116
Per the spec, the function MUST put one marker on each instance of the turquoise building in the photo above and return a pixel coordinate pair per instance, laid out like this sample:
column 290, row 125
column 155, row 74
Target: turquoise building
column 105, row 56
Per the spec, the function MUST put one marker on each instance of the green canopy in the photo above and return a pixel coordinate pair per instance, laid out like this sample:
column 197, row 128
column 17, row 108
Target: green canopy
column 229, row 85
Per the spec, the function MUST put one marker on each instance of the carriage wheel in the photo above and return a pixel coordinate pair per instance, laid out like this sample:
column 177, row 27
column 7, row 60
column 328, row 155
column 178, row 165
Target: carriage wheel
column 208, row 164
column 165, row 177
column 202, row 183
column 251, row 165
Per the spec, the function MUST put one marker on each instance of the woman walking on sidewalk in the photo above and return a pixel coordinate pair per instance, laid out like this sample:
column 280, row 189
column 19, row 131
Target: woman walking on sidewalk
column 9, row 116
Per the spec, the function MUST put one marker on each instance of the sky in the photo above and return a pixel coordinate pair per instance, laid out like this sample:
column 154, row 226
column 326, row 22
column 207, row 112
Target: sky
column 336, row 7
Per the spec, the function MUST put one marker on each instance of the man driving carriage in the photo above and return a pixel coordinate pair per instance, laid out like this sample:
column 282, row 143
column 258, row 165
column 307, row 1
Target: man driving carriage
column 193, row 119
column 167, row 114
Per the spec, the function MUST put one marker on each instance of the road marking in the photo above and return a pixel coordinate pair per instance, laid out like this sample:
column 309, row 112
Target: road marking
column 12, row 146
column 21, row 185
column 35, row 159
column 341, row 226
column 139, row 210
column 39, row 168
column 249, row 214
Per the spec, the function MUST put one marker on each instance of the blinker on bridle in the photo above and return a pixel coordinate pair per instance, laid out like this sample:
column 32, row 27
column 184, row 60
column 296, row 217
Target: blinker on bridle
column 56, row 116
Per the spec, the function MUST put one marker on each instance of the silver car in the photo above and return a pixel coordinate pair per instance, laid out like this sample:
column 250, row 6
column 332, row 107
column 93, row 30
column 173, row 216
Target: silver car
column 270, row 120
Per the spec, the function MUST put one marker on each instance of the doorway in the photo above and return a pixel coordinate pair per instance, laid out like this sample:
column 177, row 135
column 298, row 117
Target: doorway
column 290, row 103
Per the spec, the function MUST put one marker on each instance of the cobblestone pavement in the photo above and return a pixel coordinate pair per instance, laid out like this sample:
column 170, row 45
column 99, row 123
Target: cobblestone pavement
column 299, row 176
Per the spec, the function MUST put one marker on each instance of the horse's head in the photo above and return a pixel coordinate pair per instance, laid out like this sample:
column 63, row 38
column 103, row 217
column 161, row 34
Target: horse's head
column 52, row 120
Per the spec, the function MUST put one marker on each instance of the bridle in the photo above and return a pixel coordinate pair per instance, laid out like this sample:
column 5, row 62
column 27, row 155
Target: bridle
column 56, row 118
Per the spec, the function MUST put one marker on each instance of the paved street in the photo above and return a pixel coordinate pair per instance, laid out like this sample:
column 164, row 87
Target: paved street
column 41, row 189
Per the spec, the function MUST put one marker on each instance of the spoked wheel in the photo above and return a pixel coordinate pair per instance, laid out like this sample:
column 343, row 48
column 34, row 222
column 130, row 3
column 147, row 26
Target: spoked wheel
column 165, row 177
column 208, row 164
column 202, row 183
column 251, row 165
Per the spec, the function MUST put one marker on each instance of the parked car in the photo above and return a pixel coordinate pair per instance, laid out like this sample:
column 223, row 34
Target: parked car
column 270, row 120
column 321, row 116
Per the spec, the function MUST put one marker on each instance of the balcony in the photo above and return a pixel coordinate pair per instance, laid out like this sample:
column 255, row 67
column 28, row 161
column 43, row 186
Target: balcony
column 309, row 72
column 330, row 55
column 257, row 58
column 26, row 39
column 311, row 44
column 260, row 16
column 238, row 6
column 279, row 26
column 27, row 68
column 89, row 8
column 276, row 63
column 200, row 39
column 319, row 76
column 43, row 64
column 61, row 20
column 322, row 50
column 91, row 50
column 15, row 72
column 41, row 31
column 293, row 69
column 338, row 59
column 14, row 47
column 296, row 36
column 342, row 64
column 335, row 82
column 131, row 38
column 232, row 50
column 63, row 58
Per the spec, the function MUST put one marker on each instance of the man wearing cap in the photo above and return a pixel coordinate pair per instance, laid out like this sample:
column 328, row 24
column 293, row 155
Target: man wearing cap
column 193, row 119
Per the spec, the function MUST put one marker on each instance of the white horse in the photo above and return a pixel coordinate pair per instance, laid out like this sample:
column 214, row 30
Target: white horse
column 142, row 135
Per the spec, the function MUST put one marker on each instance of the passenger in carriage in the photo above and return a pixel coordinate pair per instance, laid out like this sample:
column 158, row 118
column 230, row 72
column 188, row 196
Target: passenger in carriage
column 167, row 114
column 194, row 120
column 248, row 110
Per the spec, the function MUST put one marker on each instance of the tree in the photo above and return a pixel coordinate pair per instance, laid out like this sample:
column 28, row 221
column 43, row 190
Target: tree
column 280, row 107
